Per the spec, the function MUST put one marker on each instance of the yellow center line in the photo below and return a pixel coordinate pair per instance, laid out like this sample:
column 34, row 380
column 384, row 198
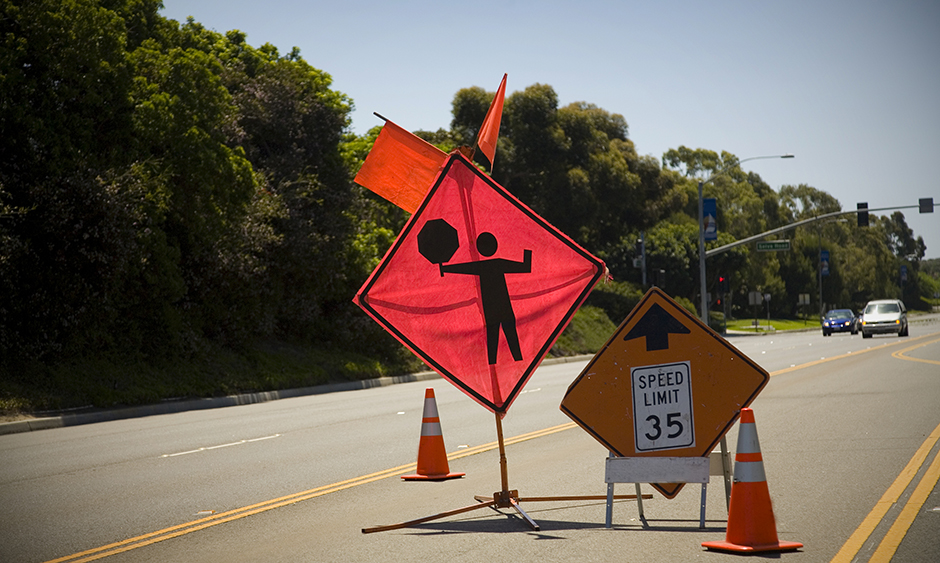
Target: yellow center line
column 900, row 354
column 850, row 354
column 180, row 529
column 899, row 529
column 239, row 513
column 521, row 438
column 236, row 514
column 855, row 542
column 891, row 496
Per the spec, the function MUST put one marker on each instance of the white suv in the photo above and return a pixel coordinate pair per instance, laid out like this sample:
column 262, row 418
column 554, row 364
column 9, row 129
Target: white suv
column 884, row 316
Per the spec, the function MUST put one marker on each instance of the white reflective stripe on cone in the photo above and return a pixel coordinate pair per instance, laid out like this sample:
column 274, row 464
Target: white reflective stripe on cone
column 430, row 408
column 747, row 439
column 749, row 472
column 431, row 429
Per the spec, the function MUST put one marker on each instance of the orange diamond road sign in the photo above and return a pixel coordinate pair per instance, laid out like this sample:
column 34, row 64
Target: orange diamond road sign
column 479, row 286
column 663, row 385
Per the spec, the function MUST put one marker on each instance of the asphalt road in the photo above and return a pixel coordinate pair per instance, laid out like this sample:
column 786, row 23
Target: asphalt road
column 848, row 429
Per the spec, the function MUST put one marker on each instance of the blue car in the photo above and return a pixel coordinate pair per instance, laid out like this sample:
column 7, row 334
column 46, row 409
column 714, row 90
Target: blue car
column 839, row 320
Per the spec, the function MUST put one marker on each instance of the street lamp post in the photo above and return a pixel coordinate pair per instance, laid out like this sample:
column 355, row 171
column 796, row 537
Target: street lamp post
column 701, row 230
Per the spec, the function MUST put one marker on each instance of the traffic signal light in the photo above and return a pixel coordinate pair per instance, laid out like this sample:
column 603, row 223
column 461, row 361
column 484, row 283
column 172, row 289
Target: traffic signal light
column 926, row 204
column 862, row 215
column 724, row 285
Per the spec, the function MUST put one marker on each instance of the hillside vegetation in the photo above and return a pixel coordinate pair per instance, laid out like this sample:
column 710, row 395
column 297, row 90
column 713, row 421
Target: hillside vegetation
column 178, row 215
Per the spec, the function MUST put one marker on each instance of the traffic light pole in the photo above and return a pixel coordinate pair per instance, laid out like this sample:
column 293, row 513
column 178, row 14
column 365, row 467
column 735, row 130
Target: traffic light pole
column 822, row 217
column 925, row 206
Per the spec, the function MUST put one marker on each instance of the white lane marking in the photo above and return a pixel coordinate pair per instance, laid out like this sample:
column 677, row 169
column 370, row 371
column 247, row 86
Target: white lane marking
column 207, row 448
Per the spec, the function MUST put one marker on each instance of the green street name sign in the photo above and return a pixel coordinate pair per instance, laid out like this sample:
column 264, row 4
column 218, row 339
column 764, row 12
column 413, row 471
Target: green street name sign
column 773, row 245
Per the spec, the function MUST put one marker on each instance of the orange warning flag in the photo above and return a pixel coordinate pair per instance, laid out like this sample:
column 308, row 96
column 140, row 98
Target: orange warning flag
column 489, row 131
column 401, row 167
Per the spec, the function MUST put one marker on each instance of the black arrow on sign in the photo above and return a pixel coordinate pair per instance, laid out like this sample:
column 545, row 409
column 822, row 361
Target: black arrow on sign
column 656, row 325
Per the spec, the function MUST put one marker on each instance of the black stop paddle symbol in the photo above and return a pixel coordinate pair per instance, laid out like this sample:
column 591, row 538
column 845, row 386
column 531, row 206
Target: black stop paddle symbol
column 437, row 241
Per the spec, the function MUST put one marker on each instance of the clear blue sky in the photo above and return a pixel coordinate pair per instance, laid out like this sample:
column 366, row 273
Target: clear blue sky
column 852, row 88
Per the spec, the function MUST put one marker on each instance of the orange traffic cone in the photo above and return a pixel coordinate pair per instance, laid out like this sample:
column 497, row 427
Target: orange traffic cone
column 432, row 458
column 751, row 525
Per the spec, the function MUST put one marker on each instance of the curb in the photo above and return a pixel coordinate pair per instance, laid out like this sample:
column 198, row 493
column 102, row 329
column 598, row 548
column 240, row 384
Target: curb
column 172, row 407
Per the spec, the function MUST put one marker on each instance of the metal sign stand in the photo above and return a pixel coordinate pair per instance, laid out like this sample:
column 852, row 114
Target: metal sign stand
column 504, row 498
column 638, row 470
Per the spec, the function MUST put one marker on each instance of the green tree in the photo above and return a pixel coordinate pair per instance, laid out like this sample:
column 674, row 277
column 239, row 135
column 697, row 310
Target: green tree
column 183, row 121
column 861, row 264
column 469, row 108
column 746, row 206
column 170, row 187
column 901, row 241
column 64, row 88
column 574, row 165
column 65, row 116
column 909, row 251
column 929, row 287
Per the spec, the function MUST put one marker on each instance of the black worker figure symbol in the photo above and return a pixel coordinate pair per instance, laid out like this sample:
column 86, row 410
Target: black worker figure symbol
column 497, row 306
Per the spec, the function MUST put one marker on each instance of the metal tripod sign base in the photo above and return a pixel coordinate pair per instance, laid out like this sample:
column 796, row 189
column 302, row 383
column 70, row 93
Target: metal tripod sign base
column 504, row 498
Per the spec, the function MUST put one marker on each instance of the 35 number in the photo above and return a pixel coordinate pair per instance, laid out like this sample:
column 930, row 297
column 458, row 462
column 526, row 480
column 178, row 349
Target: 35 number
column 672, row 421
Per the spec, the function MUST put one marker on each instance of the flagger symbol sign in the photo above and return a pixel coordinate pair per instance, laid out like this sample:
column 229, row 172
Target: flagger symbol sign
column 478, row 285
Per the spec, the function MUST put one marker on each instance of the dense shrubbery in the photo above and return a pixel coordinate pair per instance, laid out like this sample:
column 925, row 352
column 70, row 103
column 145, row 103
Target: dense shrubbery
column 177, row 212
column 169, row 192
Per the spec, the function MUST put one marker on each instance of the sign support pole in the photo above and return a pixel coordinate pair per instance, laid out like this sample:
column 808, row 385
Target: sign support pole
column 503, row 471
column 726, row 469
